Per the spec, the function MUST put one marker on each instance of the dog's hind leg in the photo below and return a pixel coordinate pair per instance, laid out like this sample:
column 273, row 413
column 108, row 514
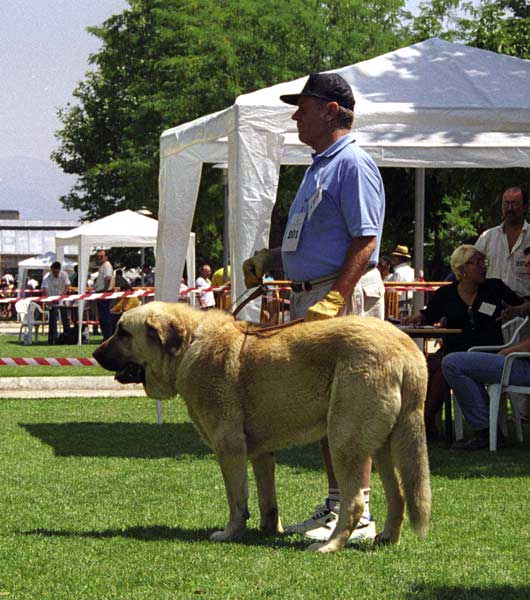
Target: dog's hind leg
column 264, row 466
column 232, row 457
column 394, row 496
column 347, row 465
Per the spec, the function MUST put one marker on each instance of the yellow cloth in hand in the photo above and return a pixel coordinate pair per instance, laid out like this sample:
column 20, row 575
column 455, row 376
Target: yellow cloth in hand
column 327, row 308
column 254, row 268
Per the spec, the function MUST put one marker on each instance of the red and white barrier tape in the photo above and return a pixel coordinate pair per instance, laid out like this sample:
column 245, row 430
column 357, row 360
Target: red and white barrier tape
column 48, row 362
column 423, row 288
column 106, row 295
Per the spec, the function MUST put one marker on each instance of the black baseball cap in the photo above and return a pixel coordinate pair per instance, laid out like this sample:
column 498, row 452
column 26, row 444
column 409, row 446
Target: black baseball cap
column 326, row 86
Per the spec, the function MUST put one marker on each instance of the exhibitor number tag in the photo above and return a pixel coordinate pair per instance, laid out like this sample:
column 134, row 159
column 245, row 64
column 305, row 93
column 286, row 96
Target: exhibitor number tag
column 292, row 233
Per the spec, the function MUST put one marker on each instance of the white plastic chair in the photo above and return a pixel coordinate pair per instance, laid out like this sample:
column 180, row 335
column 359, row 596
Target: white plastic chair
column 30, row 315
column 512, row 331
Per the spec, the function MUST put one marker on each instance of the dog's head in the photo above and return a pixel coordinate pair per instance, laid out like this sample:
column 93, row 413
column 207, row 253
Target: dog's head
column 146, row 344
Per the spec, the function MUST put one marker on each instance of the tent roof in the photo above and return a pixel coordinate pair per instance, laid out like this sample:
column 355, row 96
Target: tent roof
column 434, row 104
column 450, row 74
column 447, row 98
column 124, row 228
column 44, row 261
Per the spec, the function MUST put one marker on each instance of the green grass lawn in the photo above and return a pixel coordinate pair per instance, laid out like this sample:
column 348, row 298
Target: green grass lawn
column 10, row 347
column 97, row 501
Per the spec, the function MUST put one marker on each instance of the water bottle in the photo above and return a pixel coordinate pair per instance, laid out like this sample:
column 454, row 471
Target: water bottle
column 26, row 338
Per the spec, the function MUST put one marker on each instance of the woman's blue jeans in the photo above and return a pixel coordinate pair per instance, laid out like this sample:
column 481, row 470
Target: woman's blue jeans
column 467, row 373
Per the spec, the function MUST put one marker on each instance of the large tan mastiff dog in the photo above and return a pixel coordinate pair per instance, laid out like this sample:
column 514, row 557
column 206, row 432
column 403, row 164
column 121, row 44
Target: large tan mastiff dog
column 359, row 381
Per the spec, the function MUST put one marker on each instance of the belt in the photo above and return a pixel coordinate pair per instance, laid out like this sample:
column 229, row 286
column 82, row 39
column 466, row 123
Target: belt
column 307, row 286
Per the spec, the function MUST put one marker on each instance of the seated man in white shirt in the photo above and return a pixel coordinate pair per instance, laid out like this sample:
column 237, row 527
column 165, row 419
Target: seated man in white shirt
column 56, row 283
column 402, row 272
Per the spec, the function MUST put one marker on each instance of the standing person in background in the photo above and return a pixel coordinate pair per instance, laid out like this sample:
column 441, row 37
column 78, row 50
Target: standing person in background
column 104, row 283
column 206, row 299
column 148, row 276
column 330, row 249
column 74, row 276
column 56, row 283
column 504, row 245
column 121, row 281
column 224, row 301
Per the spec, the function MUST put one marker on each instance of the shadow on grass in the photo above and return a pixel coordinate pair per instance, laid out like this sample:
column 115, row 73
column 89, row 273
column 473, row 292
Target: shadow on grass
column 121, row 440
column 513, row 461
column 144, row 440
column 500, row 592
column 171, row 440
column 155, row 533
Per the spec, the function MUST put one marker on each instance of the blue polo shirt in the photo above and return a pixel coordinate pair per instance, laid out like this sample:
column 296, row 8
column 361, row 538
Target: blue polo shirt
column 352, row 205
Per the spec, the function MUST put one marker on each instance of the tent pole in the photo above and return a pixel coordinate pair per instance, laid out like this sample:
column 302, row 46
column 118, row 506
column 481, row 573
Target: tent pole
column 419, row 232
column 226, row 237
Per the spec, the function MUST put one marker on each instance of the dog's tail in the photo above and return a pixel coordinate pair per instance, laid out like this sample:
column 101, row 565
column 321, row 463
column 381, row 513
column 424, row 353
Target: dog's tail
column 409, row 447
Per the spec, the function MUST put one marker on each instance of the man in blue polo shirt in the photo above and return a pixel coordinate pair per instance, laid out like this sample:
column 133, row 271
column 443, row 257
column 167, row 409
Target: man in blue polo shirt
column 331, row 245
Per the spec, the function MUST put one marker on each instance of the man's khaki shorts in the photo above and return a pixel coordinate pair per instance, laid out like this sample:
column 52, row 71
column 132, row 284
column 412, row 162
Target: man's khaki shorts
column 367, row 300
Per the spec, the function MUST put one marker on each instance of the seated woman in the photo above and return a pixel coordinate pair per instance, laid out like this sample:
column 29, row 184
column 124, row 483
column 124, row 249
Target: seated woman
column 472, row 303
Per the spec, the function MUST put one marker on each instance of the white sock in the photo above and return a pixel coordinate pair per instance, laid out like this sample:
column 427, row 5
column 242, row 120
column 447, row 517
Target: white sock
column 366, row 512
column 333, row 501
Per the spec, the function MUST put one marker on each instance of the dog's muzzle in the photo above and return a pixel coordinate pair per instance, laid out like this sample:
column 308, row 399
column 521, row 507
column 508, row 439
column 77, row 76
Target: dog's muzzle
column 131, row 373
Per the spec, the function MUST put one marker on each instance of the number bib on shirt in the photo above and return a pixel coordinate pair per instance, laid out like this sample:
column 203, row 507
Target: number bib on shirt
column 292, row 232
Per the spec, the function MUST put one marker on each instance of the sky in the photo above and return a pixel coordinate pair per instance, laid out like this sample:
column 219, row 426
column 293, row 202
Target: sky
column 45, row 48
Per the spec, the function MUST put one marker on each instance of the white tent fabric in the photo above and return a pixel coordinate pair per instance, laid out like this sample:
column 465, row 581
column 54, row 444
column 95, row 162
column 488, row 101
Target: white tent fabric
column 127, row 229
column 39, row 263
column 430, row 105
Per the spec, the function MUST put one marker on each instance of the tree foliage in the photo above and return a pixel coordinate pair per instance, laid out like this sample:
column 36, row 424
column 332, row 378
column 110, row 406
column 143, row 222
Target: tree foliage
column 166, row 62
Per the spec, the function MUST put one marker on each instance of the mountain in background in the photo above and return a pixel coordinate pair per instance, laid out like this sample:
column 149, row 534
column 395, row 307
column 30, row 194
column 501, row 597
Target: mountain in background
column 33, row 187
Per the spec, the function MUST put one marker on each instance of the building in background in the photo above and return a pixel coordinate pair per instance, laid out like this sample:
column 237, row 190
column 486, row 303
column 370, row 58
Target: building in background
column 21, row 239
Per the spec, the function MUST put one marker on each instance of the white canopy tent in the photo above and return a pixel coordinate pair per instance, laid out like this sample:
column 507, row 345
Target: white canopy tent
column 126, row 229
column 40, row 263
column 430, row 105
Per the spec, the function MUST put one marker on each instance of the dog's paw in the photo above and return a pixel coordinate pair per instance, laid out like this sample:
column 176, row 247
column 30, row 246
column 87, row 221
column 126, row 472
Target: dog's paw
column 227, row 535
column 381, row 539
column 321, row 547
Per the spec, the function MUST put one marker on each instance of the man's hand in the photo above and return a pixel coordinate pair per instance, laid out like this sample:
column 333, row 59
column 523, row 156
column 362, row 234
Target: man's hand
column 254, row 268
column 327, row 308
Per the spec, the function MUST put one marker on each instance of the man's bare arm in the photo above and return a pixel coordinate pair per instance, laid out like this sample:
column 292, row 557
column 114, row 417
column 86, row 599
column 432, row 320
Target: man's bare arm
column 354, row 266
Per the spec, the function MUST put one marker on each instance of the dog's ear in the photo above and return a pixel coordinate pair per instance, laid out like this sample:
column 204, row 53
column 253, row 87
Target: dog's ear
column 167, row 331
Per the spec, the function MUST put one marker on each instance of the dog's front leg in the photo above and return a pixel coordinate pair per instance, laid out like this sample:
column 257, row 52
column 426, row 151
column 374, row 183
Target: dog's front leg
column 232, row 457
column 264, row 466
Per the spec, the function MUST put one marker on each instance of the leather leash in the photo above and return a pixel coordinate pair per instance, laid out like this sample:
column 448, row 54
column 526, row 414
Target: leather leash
column 261, row 331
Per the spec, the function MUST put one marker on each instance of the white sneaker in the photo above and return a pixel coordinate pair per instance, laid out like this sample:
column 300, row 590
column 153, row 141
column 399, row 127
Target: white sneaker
column 365, row 530
column 320, row 517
